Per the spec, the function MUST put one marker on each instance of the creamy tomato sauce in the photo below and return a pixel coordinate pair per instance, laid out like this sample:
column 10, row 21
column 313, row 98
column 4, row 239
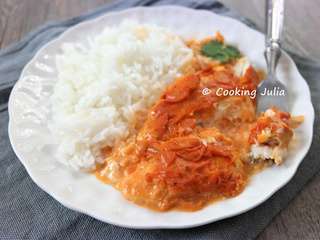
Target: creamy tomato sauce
column 190, row 148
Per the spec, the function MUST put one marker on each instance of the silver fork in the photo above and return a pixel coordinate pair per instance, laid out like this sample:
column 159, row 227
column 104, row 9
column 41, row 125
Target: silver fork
column 271, row 92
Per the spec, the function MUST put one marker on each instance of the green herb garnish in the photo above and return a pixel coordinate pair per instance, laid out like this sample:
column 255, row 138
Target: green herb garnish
column 220, row 52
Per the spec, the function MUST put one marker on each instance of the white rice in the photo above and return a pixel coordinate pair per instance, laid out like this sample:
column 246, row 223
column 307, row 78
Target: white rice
column 101, row 86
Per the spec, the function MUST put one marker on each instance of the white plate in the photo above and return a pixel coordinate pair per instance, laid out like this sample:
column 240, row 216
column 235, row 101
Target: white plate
column 29, row 112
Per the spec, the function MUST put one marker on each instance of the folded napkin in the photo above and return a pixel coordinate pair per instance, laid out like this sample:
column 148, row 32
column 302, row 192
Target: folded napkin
column 27, row 212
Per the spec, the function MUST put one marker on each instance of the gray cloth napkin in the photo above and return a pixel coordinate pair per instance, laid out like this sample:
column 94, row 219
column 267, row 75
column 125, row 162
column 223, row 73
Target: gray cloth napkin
column 27, row 212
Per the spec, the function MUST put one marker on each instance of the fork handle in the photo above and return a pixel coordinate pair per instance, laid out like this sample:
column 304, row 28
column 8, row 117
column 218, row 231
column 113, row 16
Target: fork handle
column 274, row 27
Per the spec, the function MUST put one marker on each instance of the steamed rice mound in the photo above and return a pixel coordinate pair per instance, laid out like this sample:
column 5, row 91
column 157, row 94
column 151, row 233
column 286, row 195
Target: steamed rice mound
column 103, row 83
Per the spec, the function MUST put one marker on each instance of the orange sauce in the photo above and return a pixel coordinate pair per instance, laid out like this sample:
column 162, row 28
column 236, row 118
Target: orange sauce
column 192, row 149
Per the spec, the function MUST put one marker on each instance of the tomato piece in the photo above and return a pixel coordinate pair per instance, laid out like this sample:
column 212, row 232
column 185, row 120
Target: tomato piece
column 218, row 151
column 250, row 78
column 181, row 89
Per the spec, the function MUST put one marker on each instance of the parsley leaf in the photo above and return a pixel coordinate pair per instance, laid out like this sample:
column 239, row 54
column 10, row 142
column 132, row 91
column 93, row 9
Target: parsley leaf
column 220, row 52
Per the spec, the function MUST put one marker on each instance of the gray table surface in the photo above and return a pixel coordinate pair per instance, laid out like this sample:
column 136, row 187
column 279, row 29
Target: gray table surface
column 301, row 219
